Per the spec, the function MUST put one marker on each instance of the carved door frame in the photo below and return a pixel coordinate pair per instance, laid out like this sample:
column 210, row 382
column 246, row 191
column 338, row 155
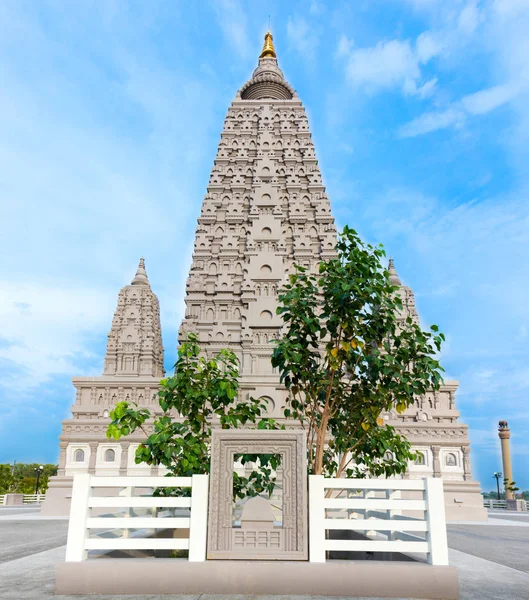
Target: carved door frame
column 225, row 444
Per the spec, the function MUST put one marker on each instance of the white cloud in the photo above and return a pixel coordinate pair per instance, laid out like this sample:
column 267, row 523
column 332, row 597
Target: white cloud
column 302, row 36
column 429, row 45
column 469, row 18
column 425, row 91
column 345, row 45
column 425, row 4
column 392, row 64
column 498, row 28
column 317, row 7
column 510, row 8
column 46, row 329
column 486, row 100
column 479, row 103
column 432, row 121
column 232, row 21
column 397, row 63
column 387, row 65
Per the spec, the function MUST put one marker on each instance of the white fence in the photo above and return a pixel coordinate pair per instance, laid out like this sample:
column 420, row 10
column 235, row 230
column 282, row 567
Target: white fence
column 34, row 498
column 364, row 511
column 374, row 510
column 491, row 503
column 28, row 499
column 84, row 500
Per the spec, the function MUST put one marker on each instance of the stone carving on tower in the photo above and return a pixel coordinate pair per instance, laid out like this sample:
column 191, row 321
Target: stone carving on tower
column 135, row 339
column 265, row 209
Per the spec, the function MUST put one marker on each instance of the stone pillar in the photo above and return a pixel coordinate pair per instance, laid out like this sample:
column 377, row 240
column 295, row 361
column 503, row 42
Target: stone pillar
column 436, row 461
column 467, row 470
column 14, row 499
column 124, row 458
column 62, row 458
column 504, row 434
column 93, row 457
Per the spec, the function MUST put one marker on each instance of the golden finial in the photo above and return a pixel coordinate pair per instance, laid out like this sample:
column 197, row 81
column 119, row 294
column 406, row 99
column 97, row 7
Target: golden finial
column 268, row 47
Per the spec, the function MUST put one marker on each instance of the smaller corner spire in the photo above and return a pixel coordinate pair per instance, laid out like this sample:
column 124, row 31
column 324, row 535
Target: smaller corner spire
column 393, row 277
column 268, row 50
column 141, row 275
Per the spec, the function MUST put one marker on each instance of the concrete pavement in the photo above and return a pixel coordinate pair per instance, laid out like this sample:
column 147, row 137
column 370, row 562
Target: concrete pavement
column 493, row 559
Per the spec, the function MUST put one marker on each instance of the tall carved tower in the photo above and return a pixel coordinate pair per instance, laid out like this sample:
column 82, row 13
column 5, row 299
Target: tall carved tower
column 265, row 209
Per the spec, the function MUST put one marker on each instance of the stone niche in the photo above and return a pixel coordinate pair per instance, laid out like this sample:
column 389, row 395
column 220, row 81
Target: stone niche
column 258, row 538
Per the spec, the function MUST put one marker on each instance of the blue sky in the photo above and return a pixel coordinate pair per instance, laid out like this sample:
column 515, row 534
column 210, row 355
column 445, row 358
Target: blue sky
column 110, row 116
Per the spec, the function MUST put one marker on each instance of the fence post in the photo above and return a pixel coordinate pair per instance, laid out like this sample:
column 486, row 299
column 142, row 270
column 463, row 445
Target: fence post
column 77, row 534
column 198, row 525
column 316, row 518
column 435, row 517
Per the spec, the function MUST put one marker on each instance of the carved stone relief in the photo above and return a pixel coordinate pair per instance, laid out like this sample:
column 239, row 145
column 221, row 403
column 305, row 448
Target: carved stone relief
column 288, row 542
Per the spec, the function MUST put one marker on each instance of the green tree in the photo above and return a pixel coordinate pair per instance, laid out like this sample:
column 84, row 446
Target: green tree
column 22, row 478
column 510, row 486
column 202, row 394
column 345, row 358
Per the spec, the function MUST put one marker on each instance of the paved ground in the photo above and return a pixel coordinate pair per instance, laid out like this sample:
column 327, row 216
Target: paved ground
column 22, row 510
column 19, row 539
column 519, row 517
column 492, row 559
column 480, row 541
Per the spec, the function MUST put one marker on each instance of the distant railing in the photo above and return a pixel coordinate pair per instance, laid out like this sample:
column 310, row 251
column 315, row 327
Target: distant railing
column 84, row 500
column 34, row 498
column 360, row 512
column 28, row 498
column 492, row 503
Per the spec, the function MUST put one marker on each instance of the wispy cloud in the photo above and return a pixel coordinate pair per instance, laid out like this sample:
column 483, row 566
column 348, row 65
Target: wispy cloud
column 388, row 64
column 302, row 36
column 49, row 330
column 432, row 121
column 233, row 23
column 486, row 100
column 479, row 103
column 399, row 64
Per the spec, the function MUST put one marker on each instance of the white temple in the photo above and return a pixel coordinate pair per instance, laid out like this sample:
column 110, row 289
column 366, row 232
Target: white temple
column 264, row 210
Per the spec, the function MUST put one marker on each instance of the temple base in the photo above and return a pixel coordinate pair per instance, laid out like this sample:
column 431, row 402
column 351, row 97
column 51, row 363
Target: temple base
column 463, row 501
column 58, row 497
column 335, row 578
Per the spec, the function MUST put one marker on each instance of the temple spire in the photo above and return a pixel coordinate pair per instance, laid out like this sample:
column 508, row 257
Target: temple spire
column 134, row 345
column 141, row 275
column 393, row 277
column 268, row 47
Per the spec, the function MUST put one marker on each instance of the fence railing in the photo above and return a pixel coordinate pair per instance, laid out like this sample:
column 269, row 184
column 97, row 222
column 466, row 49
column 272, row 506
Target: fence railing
column 28, row 498
column 34, row 498
column 84, row 500
column 374, row 509
column 492, row 503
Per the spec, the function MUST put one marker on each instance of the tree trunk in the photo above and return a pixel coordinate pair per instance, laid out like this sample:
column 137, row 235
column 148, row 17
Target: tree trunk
column 320, row 445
